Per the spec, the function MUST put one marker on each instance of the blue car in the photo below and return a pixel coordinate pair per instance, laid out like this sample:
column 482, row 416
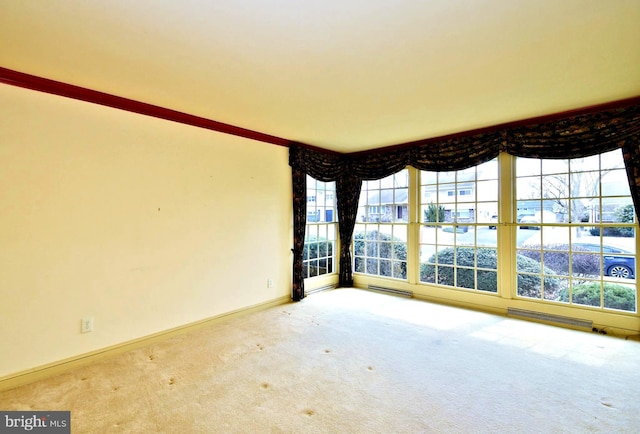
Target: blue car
column 614, row 265
column 619, row 266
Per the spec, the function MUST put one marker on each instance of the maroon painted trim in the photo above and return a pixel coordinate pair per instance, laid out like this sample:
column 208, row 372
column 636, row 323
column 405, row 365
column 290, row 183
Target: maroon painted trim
column 20, row 79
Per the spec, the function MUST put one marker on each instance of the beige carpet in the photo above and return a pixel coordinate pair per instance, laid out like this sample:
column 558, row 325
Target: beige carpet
column 353, row 361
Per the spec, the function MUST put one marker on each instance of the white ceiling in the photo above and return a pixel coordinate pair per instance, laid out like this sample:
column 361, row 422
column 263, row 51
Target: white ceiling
column 346, row 75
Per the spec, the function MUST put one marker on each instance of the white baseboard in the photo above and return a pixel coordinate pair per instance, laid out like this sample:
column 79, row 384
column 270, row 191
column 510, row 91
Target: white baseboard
column 60, row 366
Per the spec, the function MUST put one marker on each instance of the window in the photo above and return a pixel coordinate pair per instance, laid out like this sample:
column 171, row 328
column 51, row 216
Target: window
column 458, row 247
column 320, row 234
column 380, row 235
column 576, row 232
column 558, row 232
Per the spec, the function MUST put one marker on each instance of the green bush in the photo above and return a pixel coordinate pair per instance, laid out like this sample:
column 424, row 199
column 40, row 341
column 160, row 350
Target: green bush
column 317, row 249
column 434, row 213
column 528, row 284
column 465, row 257
column 625, row 214
column 584, row 264
column 380, row 254
column 317, row 257
column 612, row 232
column 615, row 296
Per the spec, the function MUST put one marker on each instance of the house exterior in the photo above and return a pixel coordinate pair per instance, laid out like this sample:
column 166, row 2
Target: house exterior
column 384, row 206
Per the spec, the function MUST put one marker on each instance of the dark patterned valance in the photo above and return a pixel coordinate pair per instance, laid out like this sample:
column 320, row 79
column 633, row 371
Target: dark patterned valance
column 575, row 137
column 572, row 137
column 569, row 137
column 450, row 154
column 323, row 166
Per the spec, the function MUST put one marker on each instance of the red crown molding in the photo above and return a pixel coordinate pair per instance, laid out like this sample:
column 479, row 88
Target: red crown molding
column 20, row 79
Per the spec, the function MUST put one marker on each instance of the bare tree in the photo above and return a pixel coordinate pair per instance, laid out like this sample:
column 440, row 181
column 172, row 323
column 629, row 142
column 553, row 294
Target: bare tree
column 571, row 192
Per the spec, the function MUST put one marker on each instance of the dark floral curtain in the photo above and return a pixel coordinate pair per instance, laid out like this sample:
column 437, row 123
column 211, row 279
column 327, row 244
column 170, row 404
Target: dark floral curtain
column 570, row 137
column 347, row 193
column 631, row 155
column 299, row 180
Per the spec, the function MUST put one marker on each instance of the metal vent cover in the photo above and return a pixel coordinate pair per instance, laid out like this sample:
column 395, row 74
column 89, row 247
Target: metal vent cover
column 529, row 314
column 391, row 291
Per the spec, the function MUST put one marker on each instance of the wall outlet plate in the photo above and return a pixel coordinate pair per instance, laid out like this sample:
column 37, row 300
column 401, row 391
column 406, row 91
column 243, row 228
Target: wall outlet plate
column 86, row 325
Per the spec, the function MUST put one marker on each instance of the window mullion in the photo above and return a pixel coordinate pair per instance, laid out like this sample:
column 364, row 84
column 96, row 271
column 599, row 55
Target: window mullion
column 506, row 226
column 413, row 228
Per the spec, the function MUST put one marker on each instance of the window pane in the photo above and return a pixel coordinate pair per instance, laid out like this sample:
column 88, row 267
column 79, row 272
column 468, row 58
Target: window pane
column 615, row 183
column 554, row 166
column 611, row 160
column 620, row 297
column 488, row 190
column 528, row 166
column 584, row 250
column 320, row 231
column 555, row 186
column 487, row 281
column 529, row 187
column 380, row 238
column 458, row 238
column 488, row 213
column 488, row 170
column 585, row 164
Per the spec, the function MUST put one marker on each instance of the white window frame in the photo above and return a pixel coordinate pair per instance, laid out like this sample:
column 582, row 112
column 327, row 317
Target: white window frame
column 567, row 235
column 321, row 236
column 380, row 239
column 505, row 224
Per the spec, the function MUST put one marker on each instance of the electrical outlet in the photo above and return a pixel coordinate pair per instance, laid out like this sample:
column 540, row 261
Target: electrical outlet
column 269, row 283
column 86, row 325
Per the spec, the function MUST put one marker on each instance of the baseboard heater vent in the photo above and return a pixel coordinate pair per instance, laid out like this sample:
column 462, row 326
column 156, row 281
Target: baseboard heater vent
column 322, row 288
column 528, row 314
column 391, row 290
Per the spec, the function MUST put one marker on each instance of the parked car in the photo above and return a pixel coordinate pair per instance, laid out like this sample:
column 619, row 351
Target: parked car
column 520, row 216
column 494, row 221
column 615, row 265
column 538, row 217
column 529, row 219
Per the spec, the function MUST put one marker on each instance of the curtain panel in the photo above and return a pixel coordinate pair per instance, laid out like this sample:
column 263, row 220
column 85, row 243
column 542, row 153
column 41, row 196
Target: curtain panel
column 571, row 137
column 299, row 181
column 347, row 194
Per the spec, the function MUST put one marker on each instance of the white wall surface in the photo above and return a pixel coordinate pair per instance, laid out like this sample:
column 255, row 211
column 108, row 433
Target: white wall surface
column 140, row 223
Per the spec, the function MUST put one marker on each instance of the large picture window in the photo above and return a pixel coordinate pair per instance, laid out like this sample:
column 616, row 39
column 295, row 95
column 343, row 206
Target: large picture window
column 458, row 214
column 320, row 234
column 380, row 235
column 569, row 225
column 576, row 232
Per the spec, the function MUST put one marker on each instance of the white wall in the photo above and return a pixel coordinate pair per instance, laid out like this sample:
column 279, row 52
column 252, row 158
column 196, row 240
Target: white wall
column 141, row 223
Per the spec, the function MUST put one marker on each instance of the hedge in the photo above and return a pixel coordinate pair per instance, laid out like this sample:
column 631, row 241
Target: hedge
column 381, row 252
column 556, row 258
column 615, row 296
column 485, row 280
column 317, row 257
